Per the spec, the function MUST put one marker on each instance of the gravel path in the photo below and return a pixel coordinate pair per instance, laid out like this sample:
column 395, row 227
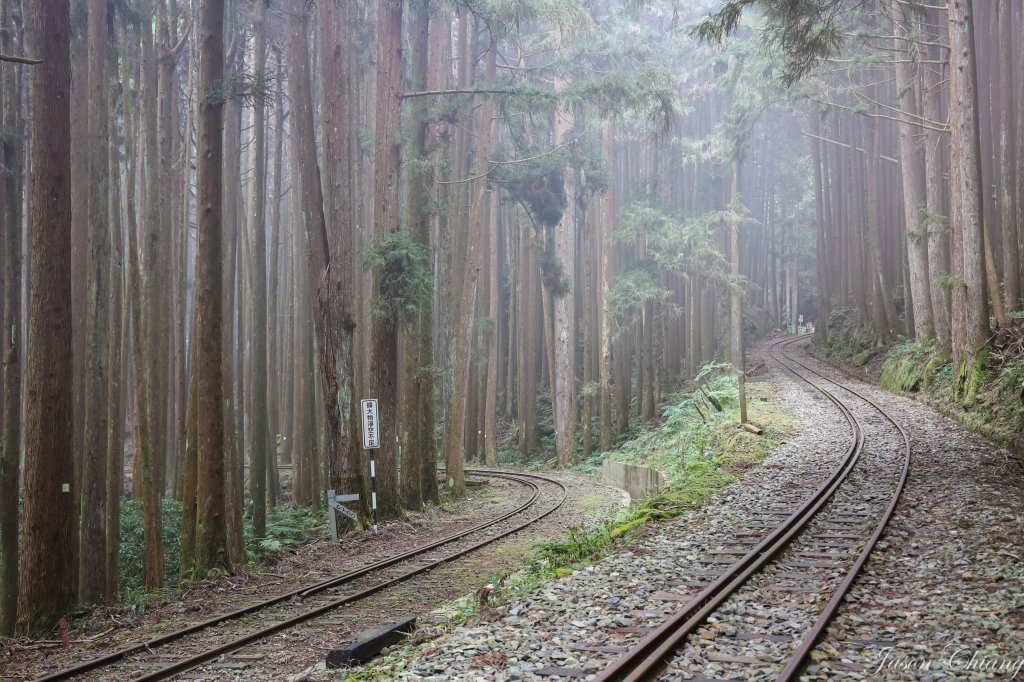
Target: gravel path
column 942, row 597
column 948, row 574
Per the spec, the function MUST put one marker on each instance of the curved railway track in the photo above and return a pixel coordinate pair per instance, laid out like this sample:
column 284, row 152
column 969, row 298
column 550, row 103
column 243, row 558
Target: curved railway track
column 826, row 541
column 193, row 646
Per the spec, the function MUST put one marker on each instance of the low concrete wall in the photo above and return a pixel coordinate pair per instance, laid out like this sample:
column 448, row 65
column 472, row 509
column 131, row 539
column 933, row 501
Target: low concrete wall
column 634, row 479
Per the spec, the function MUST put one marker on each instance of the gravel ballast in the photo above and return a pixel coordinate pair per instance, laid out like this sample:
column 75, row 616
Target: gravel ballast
column 943, row 591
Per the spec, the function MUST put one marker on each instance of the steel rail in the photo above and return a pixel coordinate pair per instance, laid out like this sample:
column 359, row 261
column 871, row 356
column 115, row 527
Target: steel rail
column 796, row 661
column 649, row 656
column 310, row 590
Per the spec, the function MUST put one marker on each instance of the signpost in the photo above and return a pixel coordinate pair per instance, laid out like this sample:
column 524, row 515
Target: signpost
column 371, row 441
column 334, row 501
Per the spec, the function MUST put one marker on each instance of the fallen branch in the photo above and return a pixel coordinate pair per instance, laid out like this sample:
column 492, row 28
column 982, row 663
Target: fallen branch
column 711, row 399
column 752, row 429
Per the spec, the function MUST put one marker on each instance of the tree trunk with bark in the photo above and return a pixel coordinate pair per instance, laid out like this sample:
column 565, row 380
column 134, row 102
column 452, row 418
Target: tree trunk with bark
column 912, row 167
column 419, row 444
column 329, row 277
column 47, row 577
column 117, row 351
column 564, row 367
column 1008, row 196
column 10, row 454
column 605, row 240
column 736, row 289
column 938, row 224
column 92, row 583
column 386, row 221
column 456, row 413
column 258, row 472
column 211, row 551
column 966, row 194
column 824, row 293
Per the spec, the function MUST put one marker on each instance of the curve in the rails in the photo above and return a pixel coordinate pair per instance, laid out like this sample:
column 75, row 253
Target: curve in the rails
column 648, row 657
column 527, row 480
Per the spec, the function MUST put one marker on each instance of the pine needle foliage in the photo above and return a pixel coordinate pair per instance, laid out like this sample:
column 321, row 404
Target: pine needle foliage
column 406, row 278
column 632, row 288
column 802, row 32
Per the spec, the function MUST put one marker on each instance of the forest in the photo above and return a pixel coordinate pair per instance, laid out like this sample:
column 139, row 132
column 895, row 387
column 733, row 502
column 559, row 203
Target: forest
column 519, row 225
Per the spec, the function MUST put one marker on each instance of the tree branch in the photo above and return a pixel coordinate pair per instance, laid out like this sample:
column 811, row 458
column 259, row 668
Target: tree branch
column 19, row 60
column 468, row 91
column 848, row 146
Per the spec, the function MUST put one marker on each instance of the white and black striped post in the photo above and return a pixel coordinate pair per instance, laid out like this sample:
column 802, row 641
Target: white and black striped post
column 371, row 441
column 373, row 486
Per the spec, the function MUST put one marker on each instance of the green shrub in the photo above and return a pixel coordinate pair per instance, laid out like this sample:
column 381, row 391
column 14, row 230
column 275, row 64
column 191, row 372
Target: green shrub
column 286, row 527
column 132, row 559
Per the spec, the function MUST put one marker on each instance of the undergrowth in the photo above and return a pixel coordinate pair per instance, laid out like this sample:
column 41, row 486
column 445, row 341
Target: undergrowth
column 994, row 404
column 132, row 559
column 991, row 400
column 287, row 527
column 697, row 444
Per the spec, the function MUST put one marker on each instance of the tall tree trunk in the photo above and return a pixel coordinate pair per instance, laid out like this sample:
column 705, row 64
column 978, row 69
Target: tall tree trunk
column 143, row 483
column 148, row 358
column 92, row 582
column 882, row 308
column 1008, row 197
column 736, row 292
column 456, row 413
column 47, row 578
column 211, row 523
column 301, row 410
column 329, row 277
column 234, row 486
column 258, row 472
column 824, row 293
column 418, row 441
column 149, row 241
column 966, row 192
column 275, row 361
column 564, row 370
column 386, row 221
column 605, row 239
column 912, row 167
column 938, row 224
column 117, row 350
column 158, row 249
column 10, row 454
column 491, row 338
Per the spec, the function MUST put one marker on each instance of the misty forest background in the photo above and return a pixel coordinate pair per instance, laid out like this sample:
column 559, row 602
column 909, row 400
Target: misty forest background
column 518, row 225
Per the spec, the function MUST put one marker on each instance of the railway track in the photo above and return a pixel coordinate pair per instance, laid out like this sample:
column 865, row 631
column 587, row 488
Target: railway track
column 191, row 647
column 779, row 583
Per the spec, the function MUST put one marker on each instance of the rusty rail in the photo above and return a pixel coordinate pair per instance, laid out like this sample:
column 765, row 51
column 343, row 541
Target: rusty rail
column 189, row 663
column 648, row 657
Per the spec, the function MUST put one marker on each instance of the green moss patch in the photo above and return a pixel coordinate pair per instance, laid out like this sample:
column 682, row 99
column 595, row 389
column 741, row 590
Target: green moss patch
column 986, row 395
column 861, row 358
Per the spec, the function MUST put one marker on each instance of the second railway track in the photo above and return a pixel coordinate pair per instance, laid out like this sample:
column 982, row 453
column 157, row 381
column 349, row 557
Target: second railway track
column 191, row 647
column 779, row 583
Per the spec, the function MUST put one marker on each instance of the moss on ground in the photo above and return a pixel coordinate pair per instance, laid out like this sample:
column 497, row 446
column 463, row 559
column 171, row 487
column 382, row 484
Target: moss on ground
column 698, row 444
column 986, row 396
